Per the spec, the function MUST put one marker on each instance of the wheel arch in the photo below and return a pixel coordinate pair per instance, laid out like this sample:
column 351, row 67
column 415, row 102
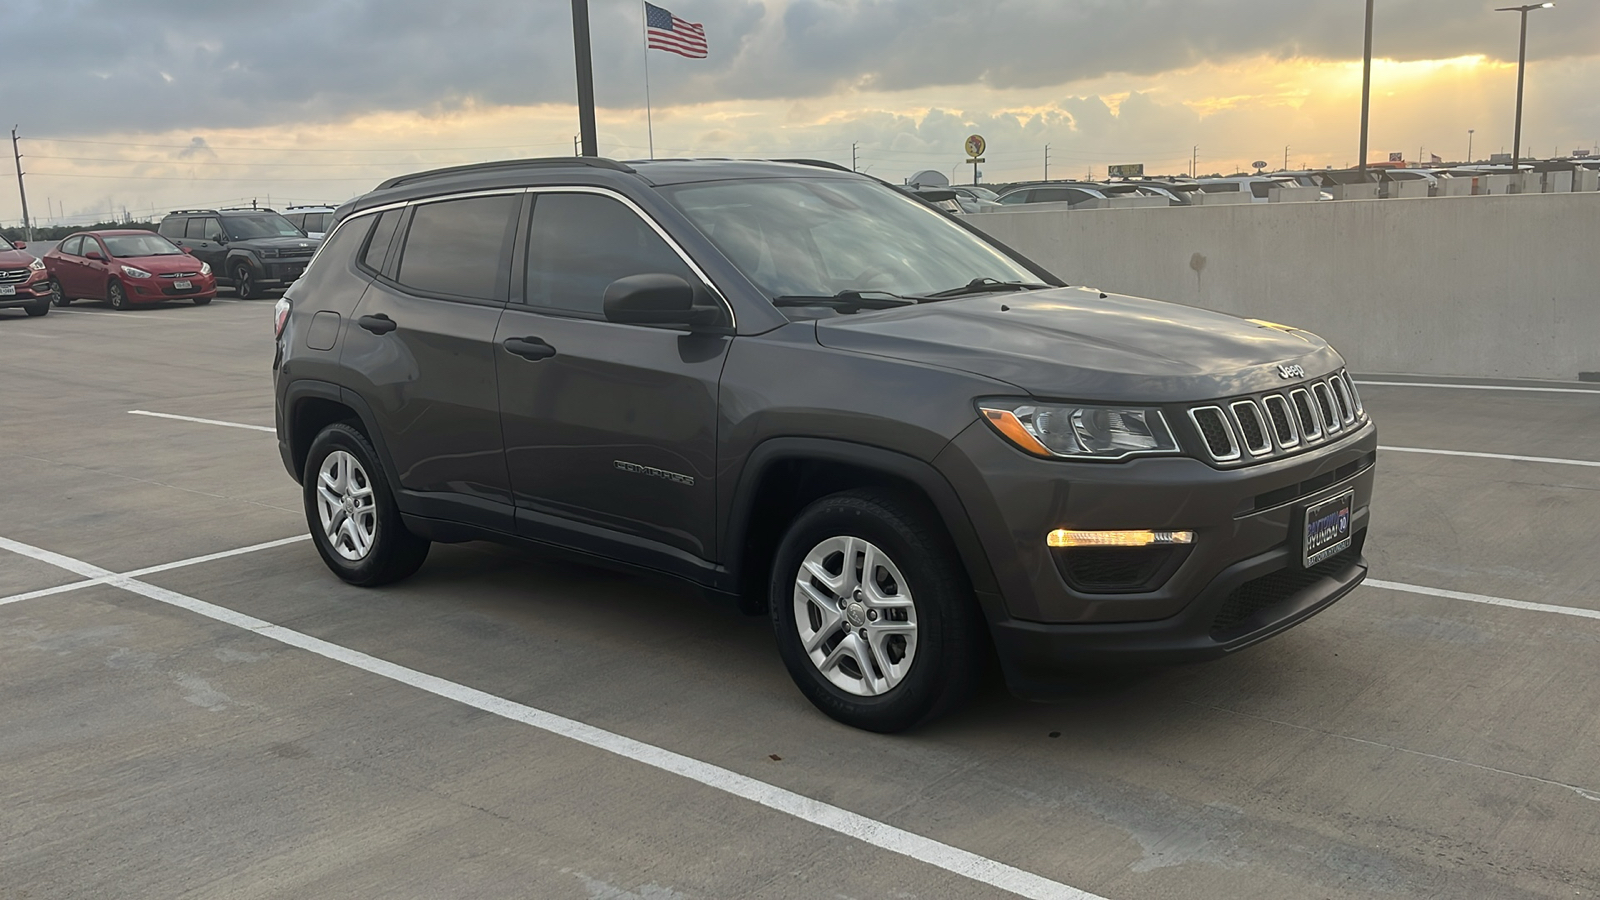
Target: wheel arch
column 783, row 475
column 310, row 406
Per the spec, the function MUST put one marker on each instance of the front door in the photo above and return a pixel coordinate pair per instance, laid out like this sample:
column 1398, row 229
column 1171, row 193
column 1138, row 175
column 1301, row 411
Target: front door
column 422, row 353
column 610, row 429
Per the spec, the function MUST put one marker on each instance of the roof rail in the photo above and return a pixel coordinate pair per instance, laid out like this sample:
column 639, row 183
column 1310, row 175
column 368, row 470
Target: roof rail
column 820, row 163
column 596, row 162
column 191, row 212
column 310, row 206
column 247, row 209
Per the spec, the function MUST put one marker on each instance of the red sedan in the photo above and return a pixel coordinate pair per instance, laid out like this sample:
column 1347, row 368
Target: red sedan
column 127, row 267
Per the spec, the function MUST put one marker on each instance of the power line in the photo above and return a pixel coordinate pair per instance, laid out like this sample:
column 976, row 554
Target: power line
column 293, row 149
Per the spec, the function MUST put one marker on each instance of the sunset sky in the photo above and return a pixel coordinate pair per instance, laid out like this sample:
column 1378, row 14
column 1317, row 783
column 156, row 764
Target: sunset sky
column 161, row 104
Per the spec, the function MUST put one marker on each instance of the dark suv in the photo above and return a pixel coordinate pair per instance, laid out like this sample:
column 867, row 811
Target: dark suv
column 806, row 391
column 251, row 249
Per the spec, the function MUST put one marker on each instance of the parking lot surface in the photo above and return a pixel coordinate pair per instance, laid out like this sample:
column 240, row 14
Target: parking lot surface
column 503, row 725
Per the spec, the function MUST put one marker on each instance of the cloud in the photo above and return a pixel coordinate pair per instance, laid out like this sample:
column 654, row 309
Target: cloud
column 197, row 149
column 164, row 64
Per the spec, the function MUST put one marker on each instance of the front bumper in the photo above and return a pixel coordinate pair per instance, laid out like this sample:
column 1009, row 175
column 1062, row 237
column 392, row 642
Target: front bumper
column 157, row 290
column 1244, row 520
column 28, row 293
column 281, row 271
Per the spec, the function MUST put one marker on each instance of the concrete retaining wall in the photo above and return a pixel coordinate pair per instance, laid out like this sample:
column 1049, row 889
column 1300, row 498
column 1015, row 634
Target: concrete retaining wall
column 1494, row 286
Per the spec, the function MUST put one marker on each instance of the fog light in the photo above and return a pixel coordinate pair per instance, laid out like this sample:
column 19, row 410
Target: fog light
column 1064, row 538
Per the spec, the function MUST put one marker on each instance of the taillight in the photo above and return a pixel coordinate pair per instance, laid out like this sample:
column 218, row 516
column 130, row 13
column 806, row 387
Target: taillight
column 280, row 313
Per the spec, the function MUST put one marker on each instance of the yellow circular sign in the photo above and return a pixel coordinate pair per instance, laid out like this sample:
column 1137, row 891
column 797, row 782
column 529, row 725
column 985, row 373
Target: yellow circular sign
column 975, row 145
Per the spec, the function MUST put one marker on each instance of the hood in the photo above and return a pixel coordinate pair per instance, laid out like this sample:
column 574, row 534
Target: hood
column 1077, row 344
column 12, row 258
column 293, row 243
column 169, row 264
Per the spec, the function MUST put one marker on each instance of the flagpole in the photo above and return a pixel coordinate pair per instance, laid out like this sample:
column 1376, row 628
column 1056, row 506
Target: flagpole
column 644, row 32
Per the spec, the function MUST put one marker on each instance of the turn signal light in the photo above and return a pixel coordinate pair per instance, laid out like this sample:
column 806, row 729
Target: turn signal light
column 1064, row 538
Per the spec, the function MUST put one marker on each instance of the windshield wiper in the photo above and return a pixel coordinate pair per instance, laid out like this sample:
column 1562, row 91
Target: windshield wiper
column 848, row 301
column 985, row 286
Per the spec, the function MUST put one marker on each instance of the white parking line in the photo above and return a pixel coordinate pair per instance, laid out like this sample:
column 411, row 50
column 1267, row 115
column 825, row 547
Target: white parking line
column 1480, row 387
column 107, row 577
column 1483, row 598
column 1539, row 459
column 825, row 815
column 158, row 415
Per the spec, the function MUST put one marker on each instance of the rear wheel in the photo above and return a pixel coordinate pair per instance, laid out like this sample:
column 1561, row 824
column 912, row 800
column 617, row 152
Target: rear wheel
column 352, row 514
column 116, row 295
column 56, row 295
column 244, row 281
column 874, row 617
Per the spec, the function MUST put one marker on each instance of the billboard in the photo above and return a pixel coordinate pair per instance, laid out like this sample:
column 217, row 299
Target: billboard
column 1127, row 170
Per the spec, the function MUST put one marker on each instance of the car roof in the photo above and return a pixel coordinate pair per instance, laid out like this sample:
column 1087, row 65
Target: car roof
column 113, row 232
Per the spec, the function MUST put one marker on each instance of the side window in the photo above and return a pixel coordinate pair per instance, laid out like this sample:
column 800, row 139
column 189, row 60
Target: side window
column 317, row 222
column 298, row 220
column 204, row 229
column 580, row 243
column 1259, row 189
column 382, row 236
column 90, row 245
column 1052, row 195
column 73, row 246
column 172, row 226
column 346, row 243
column 1015, row 197
column 461, row 248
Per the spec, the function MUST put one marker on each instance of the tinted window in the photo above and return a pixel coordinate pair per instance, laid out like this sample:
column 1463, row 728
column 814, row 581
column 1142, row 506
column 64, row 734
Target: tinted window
column 259, row 225
column 1220, row 187
column 460, row 247
column 130, row 245
column 378, row 247
column 345, row 243
column 73, row 246
column 1259, row 189
column 298, row 220
column 317, row 222
column 172, row 226
column 1015, row 197
column 580, row 243
column 204, row 229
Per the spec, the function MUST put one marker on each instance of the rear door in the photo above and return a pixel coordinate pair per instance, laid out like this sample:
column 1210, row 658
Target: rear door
column 610, row 429
column 421, row 354
column 69, row 271
column 203, row 235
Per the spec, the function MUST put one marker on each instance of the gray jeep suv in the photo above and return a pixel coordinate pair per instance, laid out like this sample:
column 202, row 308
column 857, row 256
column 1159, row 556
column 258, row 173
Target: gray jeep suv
column 803, row 390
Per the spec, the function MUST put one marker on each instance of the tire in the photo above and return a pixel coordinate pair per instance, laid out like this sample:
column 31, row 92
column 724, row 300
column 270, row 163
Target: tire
column 37, row 309
column 244, row 281
column 116, row 295
column 924, row 629
column 56, row 296
column 367, row 545
column 201, row 301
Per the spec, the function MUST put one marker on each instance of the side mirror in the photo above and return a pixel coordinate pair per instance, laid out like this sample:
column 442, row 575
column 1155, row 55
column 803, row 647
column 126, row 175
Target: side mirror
column 19, row 245
column 93, row 254
column 187, row 250
column 656, row 300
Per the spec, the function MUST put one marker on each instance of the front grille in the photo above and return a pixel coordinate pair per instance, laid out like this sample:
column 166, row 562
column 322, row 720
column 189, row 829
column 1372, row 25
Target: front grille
column 13, row 276
column 296, row 252
column 182, row 275
column 1213, row 425
column 1276, row 424
column 1269, row 590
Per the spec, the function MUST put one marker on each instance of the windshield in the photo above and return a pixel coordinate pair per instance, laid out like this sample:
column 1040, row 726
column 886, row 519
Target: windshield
column 126, row 245
column 816, row 238
column 260, row 226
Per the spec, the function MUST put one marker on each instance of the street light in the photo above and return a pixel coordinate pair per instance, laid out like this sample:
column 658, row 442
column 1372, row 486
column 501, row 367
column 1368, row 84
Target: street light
column 1522, row 59
column 1366, row 91
column 1469, row 145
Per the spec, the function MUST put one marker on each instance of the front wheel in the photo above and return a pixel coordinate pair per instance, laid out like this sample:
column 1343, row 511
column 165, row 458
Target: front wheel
column 244, row 281
column 37, row 309
column 874, row 616
column 352, row 514
column 201, row 301
column 116, row 295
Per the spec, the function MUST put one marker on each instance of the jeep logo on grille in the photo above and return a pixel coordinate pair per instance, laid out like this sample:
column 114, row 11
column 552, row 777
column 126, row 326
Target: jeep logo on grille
column 1291, row 372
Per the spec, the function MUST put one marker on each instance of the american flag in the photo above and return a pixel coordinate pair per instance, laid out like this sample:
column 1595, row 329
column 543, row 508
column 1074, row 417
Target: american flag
column 665, row 31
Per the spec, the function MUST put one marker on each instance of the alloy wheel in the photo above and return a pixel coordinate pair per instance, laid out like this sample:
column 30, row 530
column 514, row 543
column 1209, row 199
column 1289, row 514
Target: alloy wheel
column 346, row 506
column 855, row 615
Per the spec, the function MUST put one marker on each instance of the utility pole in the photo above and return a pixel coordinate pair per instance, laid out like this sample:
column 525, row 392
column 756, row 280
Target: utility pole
column 577, row 149
column 1194, row 160
column 853, row 145
column 1046, row 162
column 16, row 151
column 1286, row 157
column 580, row 52
column 1469, row 145
column 1366, row 91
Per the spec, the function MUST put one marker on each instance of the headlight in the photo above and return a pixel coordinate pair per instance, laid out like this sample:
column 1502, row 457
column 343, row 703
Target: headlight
column 268, row 253
column 1081, row 432
column 205, row 268
column 131, row 272
column 37, row 265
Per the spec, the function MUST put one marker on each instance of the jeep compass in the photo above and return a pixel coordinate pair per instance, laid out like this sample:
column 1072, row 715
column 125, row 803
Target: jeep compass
column 802, row 389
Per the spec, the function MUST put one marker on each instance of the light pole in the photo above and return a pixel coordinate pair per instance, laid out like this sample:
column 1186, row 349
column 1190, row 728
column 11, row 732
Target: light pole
column 1522, row 59
column 1366, row 90
column 1469, row 145
column 580, row 53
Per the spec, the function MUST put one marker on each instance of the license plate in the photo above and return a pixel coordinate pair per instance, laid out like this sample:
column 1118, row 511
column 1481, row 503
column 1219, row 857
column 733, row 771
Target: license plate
column 1327, row 528
column 182, row 285
column 8, row 290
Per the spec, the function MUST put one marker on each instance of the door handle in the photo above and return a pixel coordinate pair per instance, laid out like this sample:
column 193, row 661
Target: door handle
column 531, row 348
column 378, row 324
